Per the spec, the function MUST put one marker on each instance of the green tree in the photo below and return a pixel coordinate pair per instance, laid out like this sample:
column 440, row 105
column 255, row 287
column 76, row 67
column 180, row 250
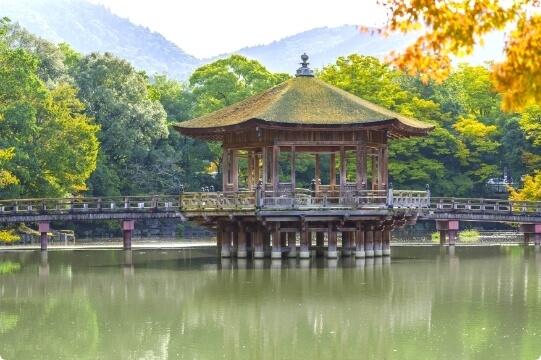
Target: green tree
column 52, row 145
column 117, row 97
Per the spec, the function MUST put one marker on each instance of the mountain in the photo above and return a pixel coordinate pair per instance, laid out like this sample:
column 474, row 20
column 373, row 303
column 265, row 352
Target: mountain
column 323, row 45
column 89, row 27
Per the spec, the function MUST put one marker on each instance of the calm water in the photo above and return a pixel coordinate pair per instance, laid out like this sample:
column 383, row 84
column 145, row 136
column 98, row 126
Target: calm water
column 478, row 302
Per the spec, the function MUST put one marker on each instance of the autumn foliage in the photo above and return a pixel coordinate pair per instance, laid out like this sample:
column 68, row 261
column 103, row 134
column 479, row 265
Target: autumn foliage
column 454, row 27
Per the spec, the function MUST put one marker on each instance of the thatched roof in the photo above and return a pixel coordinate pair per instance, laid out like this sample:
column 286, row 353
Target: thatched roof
column 302, row 102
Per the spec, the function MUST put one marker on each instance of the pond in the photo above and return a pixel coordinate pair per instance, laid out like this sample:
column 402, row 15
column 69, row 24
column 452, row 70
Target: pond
column 425, row 302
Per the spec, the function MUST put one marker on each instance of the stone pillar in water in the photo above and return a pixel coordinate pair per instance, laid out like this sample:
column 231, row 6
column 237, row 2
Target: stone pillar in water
column 226, row 242
column 257, row 240
column 276, row 243
column 368, row 241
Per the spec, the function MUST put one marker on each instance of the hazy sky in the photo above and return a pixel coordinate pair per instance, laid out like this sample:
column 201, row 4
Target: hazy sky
column 205, row 28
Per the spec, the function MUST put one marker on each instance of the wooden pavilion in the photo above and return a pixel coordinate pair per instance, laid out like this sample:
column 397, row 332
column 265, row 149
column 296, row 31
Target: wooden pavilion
column 304, row 117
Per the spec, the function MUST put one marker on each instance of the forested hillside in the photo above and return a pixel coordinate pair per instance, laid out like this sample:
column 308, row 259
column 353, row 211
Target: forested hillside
column 92, row 125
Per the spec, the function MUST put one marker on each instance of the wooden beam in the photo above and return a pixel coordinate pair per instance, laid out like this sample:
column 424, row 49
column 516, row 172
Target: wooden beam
column 332, row 168
column 235, row 169
column 225, row 168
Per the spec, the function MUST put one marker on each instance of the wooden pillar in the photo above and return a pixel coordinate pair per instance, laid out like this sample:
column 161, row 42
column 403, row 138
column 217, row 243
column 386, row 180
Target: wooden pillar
column 364, row 169
column 226, row 242
column 43, row 228
column 257, row 239
column 342, row 169
column 293, row 158
column 276, row 243
column 257, row 172
column 382, row 185
column 447, row 227
column 225, row 168
column 317, row 175
column 374, row 169
column 266, row 241
column 442, row 237
column 292, row 243
column 359, row 240
column 358, row 167
column 332, row 252
column 242, row 251
column 250, row 160
column 332, row 170
column 386, row 242
column 368, row 241
column 384, row 170
column 346, row 243
column 378, row 251
column 275, row 168
column 320, row 243
column 264, row 169
column 127, row 228
column 235, row 169
column 526, row 239
column 304, row 251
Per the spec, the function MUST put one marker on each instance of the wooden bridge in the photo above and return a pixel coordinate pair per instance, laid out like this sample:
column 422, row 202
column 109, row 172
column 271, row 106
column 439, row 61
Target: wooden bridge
column 349, row 210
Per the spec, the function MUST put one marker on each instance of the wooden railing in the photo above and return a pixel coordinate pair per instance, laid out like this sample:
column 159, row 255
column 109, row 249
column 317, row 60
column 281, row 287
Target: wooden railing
column 302, row 199
column 484, row 206
column 89, row 205
column 249, row 201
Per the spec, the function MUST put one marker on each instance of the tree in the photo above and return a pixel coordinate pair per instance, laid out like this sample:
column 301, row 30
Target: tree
column 117, row 97
column 49, row 146
column 455, row 27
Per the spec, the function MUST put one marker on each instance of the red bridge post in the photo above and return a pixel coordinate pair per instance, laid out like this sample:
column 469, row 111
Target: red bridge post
column 43, row 229
column 127, row 227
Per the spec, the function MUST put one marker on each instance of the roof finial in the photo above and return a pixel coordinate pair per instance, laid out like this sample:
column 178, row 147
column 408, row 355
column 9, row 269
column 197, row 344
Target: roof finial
column 304, row 70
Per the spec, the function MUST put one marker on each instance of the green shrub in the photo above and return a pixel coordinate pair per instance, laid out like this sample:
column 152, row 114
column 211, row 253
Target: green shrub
column 471, row 235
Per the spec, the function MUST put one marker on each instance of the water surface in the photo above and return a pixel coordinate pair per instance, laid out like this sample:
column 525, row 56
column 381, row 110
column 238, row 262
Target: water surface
column 426, row 302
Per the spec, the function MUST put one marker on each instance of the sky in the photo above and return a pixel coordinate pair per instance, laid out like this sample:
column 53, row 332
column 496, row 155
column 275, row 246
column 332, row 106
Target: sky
column 205, row 28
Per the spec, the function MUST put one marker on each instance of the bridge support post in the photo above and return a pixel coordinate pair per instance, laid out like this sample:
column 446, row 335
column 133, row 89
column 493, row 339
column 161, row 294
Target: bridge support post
column 127, row 228
column 346, row 243
column 241, row 239
column 332, row 253
column 257, row 239
column 276, row 243
column 386, row 242
column 447, row 227
column 378, row 251
column 320, row 243
column 369, row 241
column 359, row 241
column 292, row 243
column 304, row 251
column 226, row 242
column 43, row 230
column 528, row 230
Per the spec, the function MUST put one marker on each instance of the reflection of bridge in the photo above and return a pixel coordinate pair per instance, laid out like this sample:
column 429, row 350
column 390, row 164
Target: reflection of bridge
column 363, row 218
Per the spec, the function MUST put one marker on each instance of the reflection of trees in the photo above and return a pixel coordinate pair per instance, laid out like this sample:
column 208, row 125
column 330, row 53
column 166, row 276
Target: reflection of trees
column 181, row 305
column 7, row 267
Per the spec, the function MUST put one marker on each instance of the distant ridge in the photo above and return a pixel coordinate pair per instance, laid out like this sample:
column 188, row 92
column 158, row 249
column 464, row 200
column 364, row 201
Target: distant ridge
column 90, row 27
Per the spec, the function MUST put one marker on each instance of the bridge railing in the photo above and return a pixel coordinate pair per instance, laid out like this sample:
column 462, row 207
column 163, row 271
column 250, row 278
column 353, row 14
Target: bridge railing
column 89, row 204
column 486, row 206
